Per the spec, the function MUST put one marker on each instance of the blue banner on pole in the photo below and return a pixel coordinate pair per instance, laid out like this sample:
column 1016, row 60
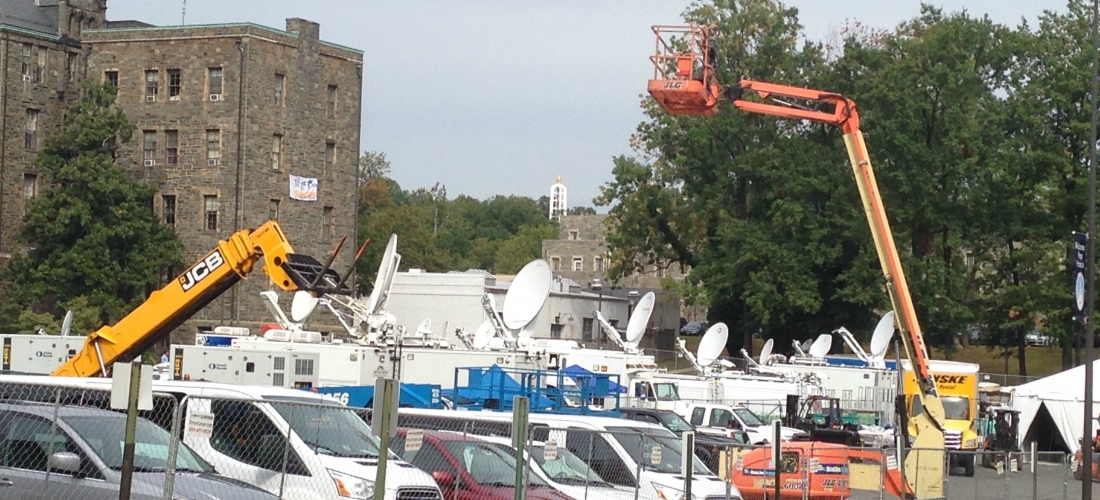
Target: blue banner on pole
column 1079, row 242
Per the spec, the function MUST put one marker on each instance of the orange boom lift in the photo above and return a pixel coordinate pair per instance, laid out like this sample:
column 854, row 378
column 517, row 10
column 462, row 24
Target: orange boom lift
column 684, row 83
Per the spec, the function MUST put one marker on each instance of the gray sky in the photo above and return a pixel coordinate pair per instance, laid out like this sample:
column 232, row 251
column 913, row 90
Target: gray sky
column 500, row 97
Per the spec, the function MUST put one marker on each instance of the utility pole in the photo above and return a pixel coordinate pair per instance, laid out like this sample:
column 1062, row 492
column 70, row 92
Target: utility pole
column 1090, row 264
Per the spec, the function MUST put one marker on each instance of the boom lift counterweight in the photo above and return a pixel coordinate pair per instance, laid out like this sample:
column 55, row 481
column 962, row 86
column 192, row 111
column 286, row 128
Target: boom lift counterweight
column 696, row 93
column 200, row 284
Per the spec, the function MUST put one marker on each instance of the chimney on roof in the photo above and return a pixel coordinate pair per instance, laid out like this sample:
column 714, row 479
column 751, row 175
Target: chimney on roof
column 305, row 29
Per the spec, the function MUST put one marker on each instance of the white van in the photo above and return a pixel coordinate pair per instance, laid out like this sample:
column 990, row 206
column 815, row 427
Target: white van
column 622, row 452
column 332, row 453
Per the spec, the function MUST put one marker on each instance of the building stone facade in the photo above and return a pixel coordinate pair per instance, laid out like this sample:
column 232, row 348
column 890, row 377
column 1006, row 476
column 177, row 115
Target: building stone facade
column 224, row 115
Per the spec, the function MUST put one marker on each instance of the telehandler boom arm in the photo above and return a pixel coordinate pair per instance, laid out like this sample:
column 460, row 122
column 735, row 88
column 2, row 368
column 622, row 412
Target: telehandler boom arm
column 167, row 308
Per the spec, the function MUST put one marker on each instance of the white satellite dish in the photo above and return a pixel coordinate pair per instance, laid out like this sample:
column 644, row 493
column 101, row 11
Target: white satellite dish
column 639, row 319
column 880, row 341
column 483, row 335
column 766, row 351
column 821, row 346
column 527, row 294
column 67, row 324
column 425, row 327
column 523, row 338
column 806, row 344
column 302, row 305
column 712, row 344
column 384, row 280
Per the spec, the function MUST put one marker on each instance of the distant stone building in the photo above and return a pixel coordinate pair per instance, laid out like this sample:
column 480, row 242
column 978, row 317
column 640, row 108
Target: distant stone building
column 225, row 115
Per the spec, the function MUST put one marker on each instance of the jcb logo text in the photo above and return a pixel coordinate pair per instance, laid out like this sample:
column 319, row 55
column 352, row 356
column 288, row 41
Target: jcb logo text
column 200, row 271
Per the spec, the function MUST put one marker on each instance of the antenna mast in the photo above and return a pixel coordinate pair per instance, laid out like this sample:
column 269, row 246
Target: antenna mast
column 183, row 13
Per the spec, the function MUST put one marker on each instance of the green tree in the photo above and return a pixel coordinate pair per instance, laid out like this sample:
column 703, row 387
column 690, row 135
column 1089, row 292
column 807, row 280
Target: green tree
column 523, row 247
column 372, row 165
column 94, row 233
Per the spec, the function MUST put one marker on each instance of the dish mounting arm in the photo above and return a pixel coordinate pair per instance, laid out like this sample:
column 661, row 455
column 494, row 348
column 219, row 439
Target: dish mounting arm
column 852, row 344
column 681, row 346
column 612, row 333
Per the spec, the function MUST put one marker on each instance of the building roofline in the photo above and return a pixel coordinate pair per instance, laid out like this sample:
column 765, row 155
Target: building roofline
column 225, row 25
column 26, row 31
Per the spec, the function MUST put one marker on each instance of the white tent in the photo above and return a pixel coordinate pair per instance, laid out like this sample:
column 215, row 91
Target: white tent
column 1064, row 396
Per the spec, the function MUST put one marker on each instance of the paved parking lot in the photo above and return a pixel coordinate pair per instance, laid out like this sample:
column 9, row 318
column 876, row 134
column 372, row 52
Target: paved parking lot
column 1053, row 483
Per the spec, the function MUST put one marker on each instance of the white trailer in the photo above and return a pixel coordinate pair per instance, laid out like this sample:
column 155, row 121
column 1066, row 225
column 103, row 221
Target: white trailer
column 246, row 366
column 38, row 354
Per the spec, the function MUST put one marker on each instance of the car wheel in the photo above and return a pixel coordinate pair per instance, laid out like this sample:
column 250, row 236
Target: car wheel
column 968, row 466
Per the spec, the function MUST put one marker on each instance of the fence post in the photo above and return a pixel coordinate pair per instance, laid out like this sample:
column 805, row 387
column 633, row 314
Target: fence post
column 173, row 449
column 882, row 470
column 53, row 426
column 1065, row 476
column 286, row 449
column 637, row 473
column 1007, row 468
column 1034, row 472
column 947, row 474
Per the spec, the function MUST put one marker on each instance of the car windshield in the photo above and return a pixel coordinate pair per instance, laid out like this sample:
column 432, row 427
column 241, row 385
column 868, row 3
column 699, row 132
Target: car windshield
column 330, row 429
column 487, row 464
column 956, row 408
column 641, row 447
column 106, row 437
column 748, row 417
column 566, row 467
column 666, row 392
column 674, row 422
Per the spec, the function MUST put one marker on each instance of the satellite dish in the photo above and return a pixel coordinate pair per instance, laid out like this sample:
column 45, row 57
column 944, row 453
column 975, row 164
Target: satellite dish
column 527, row 294
column 302, row 305
column 821, row 346
column 67, row 324
column 766, row 351
column 483, row 335
column 384, row 279
column 639, row 319
column 523, row 339
column 425, row 327
column 806, row 345
column 712, row 344
column 880, row 341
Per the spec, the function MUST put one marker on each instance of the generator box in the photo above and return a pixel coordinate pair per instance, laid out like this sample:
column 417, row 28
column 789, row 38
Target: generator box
column 38, row 354
column 270, row 367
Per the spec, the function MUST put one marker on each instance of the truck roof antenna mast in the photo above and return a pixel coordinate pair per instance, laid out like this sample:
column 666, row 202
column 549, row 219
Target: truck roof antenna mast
column 685, row 83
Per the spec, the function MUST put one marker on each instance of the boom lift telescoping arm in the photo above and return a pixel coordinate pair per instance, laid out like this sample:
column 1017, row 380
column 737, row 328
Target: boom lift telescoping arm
column 204, row 281
column 684, row 83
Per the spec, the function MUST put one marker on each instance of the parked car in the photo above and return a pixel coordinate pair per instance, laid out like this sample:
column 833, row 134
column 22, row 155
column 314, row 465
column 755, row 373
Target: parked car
column 469, row 469
column 1037, row 338
column 693, row 328
column 708, row 447
column 79, row 455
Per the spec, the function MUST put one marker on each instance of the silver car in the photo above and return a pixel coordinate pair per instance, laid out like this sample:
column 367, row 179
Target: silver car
column 79, row 457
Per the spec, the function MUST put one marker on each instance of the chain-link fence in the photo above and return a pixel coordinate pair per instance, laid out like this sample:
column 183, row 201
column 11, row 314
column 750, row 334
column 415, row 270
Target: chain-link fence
column 1006, row 379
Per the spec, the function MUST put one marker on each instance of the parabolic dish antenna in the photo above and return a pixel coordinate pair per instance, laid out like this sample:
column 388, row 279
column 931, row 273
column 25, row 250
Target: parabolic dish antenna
column 639, row 319
column 712, row 344
column 302, row 305
column 425, row 327
column 67, row 323
column 766, row 351
column 880, row 341
column 821, row 346
column 483, row 335
column 806, row 344
column 384, row 279
column 523, row 338
column 527, row 294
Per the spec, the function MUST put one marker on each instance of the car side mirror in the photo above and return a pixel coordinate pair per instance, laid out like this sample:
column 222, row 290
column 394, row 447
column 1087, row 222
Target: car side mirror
column 444, row 479
column 64, row 461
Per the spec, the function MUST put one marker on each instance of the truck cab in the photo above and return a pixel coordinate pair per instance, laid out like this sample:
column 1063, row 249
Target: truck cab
column 730, row 421
column 957, row 386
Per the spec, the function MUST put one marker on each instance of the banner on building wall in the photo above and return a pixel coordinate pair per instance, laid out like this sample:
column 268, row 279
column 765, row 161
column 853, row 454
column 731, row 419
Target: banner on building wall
column 303, row 188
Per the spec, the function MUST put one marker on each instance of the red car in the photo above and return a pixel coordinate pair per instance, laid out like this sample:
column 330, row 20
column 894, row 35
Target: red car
column 467, row 468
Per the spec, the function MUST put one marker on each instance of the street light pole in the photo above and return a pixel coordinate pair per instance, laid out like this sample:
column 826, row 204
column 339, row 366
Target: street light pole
column 1090, row 266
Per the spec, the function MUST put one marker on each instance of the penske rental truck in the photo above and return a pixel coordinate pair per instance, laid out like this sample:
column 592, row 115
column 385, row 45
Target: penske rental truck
column 957, row 385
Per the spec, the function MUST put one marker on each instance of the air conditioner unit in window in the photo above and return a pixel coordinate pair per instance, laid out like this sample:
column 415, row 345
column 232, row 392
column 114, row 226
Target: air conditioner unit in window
column 26, row 78
column 150, row 98
column 150, row 163
column 174, row 98
column 215, row 97
column 212, row 161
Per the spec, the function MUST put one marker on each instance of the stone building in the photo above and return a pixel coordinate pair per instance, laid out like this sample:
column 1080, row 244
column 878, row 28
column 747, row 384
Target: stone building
column 225, row 115
column 580, row 254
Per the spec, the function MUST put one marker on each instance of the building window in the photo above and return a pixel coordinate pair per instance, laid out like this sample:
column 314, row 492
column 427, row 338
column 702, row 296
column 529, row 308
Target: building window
column 112, row 77
column 30, row 186
column 586, row 330
column 214, row 80
column 599, row 264
column 555, row 263
column 70, row 65
column 280, row 86
column 152, row 83
column 210, row 212
column 168, row 208
column 175, row 82
column 172, row 145
column 149, row 138
column 273, row 210
column 330, row 159
column 26, row 63
column 327, row 223
column 30, row 138
column 578, row 263
column 40, row 67
column 331, row 101
column 213, row 146
column 662, row 271
column 573, row 235
column 555, row 331
column 276, row 150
